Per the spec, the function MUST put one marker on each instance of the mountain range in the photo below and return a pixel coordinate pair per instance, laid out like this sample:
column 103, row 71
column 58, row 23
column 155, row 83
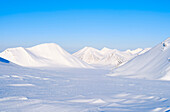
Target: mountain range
column 107, row 57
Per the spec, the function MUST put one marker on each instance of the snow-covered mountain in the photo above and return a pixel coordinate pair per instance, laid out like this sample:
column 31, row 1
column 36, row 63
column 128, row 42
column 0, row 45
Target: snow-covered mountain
column 106, row 56
column 106, row 50
column 43, row 55
column 155, row 64
column 117, row 58
column 89, row 55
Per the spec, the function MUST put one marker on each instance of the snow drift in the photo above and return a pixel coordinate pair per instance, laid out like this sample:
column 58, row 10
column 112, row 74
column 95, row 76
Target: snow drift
column 106, row 56
column 43, row 55
column 155, row 64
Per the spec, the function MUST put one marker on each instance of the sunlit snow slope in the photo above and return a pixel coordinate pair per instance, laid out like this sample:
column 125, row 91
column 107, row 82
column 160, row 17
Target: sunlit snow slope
column 43, row 55
column 155, row 64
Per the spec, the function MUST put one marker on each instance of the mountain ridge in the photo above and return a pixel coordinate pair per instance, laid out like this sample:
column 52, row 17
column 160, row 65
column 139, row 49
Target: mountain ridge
column 106, row 56
column 43, row 55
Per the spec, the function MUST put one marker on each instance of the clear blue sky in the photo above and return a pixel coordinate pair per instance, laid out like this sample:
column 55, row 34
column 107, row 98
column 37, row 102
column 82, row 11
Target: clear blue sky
column 73, row 24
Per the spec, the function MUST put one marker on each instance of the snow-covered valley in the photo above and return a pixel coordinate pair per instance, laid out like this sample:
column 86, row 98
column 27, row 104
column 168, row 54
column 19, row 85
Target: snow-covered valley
column 46, row 78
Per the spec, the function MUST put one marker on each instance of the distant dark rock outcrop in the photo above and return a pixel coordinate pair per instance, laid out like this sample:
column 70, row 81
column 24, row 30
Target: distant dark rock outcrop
column 4, row 60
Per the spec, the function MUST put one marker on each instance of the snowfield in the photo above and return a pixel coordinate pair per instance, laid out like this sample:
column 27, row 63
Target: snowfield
column 52, row 80
column 78, row 90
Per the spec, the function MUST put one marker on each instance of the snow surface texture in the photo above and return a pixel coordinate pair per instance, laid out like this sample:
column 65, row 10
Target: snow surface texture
column 78, row 90
column 106, row 56
column 154, row 64
column 43, row 55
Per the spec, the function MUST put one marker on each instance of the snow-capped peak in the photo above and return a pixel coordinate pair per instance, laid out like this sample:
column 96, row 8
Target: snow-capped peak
column 134, row 51
column 89, row 49
column 47, row 45
column 105, row 49
column 89, row 55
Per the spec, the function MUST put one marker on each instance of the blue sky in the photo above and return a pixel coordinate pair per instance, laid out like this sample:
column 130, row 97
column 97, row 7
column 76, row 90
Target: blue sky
column 74, row 24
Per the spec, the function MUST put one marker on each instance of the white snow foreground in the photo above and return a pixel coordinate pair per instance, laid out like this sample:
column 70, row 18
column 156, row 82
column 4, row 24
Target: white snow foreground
column 106, row 56
column 43, row 55
column 154, row 64
column 78, row 90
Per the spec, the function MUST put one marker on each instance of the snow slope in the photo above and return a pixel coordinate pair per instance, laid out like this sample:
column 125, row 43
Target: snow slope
column 153, row 64
column 106, row 56
column 43, row 55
